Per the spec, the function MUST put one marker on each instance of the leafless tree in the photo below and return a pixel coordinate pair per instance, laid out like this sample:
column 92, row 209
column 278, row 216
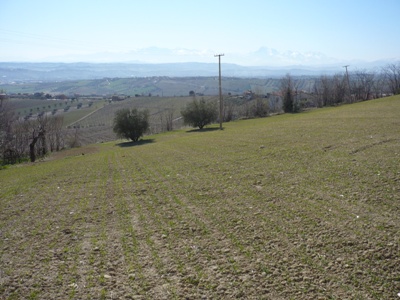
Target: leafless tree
column 20, row 138
column 323, row 90
column 55, row 134
column 32, row 138
column 287, row 91
column 166, row 118
column 339, row 88
column 229, row 108
column 378, row 88
column 36, row 130
column 169, row 116
column 260, row 107
column 7, row 118
column 74, row 139
column 392, row 77
column 362, row 85
column 330, row 90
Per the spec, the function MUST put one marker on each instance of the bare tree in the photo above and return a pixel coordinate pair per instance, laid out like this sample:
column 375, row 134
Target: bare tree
column 287, row 90
column 378, row 88
column 339, row 88
column 228, row 110
column 6, row 122
column 37, row 137
column 260, row 107
column 323, row 91
column 392, row 77
column 55, row 134
column 37, row 134
column 21, row 138
column 330, row 90
column 362, row 85
column 169, row 116
column 74, row 140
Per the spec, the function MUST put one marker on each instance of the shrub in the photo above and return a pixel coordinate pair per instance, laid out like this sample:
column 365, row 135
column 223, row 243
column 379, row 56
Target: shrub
column 131, row 124
column 200, row 113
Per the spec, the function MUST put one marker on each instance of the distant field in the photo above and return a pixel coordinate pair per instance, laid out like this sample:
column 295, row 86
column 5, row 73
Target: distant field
column 157, row 107
column 25, row 106
column 295, row 206
column 156, row 86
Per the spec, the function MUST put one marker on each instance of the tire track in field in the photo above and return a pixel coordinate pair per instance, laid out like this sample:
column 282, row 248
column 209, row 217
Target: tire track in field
column 157, row 230
column 226, row 244
column 292, row 253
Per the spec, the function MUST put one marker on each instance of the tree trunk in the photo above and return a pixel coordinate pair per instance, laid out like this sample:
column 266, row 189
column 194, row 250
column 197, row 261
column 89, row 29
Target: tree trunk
column 32, row 153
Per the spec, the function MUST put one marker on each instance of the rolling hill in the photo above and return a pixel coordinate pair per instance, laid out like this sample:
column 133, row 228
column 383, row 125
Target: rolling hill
column 156, row 86
column 295, row 206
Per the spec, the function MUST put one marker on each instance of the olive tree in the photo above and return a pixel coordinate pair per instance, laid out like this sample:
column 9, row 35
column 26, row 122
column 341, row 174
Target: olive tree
column 200, row 113
column 131, row 124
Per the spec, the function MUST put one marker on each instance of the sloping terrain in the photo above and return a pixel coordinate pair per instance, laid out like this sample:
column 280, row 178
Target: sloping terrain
column 302, row 206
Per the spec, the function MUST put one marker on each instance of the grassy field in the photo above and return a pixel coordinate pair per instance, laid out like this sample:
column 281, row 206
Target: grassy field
column 302, row 206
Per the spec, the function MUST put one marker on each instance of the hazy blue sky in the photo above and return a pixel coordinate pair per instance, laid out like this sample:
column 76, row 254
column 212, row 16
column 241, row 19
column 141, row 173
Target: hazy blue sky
column 344, row 29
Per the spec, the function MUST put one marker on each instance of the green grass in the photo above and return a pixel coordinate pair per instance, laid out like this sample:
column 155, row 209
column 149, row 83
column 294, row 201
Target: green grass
column 295, row 206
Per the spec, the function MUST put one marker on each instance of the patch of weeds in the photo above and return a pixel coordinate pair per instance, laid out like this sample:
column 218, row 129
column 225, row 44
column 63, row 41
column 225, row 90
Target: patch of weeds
column 103, row 294
column 34, row 295
column 72, row 293
column 193, row 280
column 13, row 296
column 265, row 270
column 90, row 279
column 59, row 279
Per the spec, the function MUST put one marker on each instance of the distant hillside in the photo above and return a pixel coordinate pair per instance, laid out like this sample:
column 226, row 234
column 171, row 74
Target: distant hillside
column 156, row 86
column 22, row 72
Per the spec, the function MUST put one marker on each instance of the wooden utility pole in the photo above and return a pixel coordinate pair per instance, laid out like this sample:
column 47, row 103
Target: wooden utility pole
column 348, row 81
column 221, row 104
column 347, row 76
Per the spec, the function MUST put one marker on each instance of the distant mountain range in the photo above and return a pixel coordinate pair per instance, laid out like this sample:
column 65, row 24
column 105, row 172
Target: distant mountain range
column 180, row 62
column 20, row 72
column 264, row 56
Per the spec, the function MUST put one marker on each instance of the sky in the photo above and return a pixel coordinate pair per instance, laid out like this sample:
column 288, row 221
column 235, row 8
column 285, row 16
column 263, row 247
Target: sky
column 52, row 30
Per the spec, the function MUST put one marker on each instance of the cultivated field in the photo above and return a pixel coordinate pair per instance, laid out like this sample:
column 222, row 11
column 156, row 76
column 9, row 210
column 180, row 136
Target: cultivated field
column 302, row 206
column 157, row 86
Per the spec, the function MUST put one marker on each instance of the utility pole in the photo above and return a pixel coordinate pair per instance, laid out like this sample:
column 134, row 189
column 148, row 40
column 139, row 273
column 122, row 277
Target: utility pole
column 221, row 104
column 347, row 75
column 348, row 80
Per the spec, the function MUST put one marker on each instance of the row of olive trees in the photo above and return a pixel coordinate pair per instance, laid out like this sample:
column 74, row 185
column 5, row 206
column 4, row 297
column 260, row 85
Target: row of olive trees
column 132, row 124
column 28, row 139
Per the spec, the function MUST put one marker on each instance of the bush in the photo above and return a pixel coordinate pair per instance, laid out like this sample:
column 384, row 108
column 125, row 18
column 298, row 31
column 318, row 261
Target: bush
column 260, row 108
column 131, row 124
column 200, row 113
